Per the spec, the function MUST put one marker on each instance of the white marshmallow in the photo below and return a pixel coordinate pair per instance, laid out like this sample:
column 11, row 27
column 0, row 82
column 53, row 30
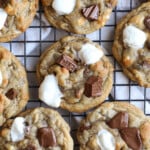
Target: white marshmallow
column 3, row 17
column 49, row 91
column 89, row 54
column 63, row 7
column 105, row 140
column 18, row 129
column 1, row 78
column 134, row 37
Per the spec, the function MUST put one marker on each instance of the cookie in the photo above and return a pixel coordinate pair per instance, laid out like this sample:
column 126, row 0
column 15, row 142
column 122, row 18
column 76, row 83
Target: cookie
column 115, row 126
column 74, row 74
column 13, row 85
column 78, row 16
column 131, row 46
column 16, row 16
column 36, row 129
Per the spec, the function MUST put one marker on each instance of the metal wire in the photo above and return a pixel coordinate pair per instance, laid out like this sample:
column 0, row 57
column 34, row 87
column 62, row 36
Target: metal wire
column 28, row 59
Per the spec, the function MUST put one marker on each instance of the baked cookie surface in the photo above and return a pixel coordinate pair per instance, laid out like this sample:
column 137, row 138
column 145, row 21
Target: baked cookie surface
column 74, row 74
column 115, row 126
column 36, row 129
column 78, row 16
column 16, row 16
column 13, row 85
column 132, row 45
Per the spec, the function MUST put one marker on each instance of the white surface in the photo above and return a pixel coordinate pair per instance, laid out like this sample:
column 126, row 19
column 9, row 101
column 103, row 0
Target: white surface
column 89, row 54
column 134, row 37
column 3, row 17
column 49, row 91
column 63, row 7
column 18, row 129
column 105, row 140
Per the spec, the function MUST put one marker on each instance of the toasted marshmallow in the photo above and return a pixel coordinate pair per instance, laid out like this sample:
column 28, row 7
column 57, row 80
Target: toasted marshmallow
column 18, row 129
column 89, row 54
column 134, row 37
column 105, row 140
column 63, row 7
column 3, row 17
column 49, row 91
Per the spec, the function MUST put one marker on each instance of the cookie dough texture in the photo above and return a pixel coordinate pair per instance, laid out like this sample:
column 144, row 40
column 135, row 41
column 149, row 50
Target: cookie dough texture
column 72, row 83
column 14, row 86
column 135, row 63
column 34, row 120
column 20, row 15
column 96, row 121
column 75, row 22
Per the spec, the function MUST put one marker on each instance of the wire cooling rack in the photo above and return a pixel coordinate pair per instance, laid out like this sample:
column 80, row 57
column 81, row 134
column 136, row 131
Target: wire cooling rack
column 29, row 46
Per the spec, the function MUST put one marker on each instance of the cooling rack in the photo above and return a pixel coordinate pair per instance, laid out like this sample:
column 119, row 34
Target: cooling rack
column 29, row 46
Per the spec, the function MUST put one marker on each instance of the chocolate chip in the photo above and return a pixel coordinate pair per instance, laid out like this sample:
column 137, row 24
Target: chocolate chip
column 146, row 63
column 67, row 62
column 109, row 5
column 147, row 22
column 3, row 3
column 86, row 72
column 46, row 137
column 93, row 86
column 119, row 121
column 91, row 12
column 82, row 128
column 132, row 138
column 11, row 93
column 148, row 45
column 29, row 147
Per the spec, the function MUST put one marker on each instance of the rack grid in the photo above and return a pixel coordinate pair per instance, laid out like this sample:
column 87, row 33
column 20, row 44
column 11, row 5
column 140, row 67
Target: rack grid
column 29, row 46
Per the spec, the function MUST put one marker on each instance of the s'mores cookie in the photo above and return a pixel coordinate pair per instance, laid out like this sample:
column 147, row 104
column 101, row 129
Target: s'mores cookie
column 131, row 45
column 15, row 17
column 78, row 16
column 115, row 126
column 14, row 93
column 36, row 129
column 74, row 74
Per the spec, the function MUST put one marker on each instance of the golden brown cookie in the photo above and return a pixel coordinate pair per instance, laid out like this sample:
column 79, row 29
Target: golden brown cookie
column 13, row 85
column 115, row 126
column 132, row 44
column 16, row 16
column 78, row 16
column 74, row 74
column 36, row 129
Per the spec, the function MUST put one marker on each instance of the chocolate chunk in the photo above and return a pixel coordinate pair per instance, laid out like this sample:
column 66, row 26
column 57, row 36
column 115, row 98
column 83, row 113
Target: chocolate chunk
column 93, row 86
column 132, row 138
column 147, row 22
column 46, row 137
column 11, row 93
column 67, row 62
column 91, row 12
column 119, row 121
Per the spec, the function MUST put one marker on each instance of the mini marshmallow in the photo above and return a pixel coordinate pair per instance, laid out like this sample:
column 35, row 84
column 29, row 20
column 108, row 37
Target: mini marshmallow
column 1, row 78
column 105, row 140
column 18, row 129
column 63, row 7
column 134, row 37
column 3, row 17
column 49, row 91
column 89, row 54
